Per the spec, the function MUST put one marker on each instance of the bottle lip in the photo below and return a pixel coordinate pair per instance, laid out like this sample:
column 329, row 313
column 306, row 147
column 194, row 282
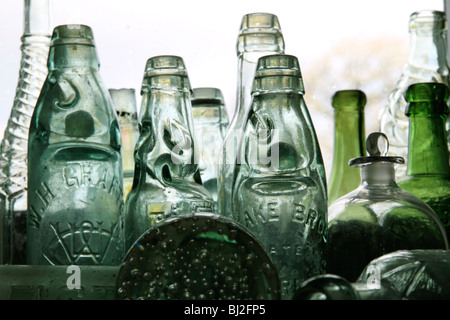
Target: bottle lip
column 426, row 19
column 351, row 99
column 206, row 95
column 72, row 34
column 165, row 65
column 367, row 160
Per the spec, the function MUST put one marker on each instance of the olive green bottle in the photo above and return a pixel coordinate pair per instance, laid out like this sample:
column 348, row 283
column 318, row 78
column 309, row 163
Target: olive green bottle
column 428, row 171
column 348, row 141
column 280, row 188
column 75, row 203
column 167, row 180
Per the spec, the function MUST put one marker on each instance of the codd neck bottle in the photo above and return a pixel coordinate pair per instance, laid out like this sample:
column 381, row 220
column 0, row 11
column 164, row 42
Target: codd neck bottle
column 378, row 217
column 348, row 141
column 427, row 62
column 13, row 152
column 260, row 34
column 75, row 203
column 124, row 101
column 167, row 181
column 211, row 123
column 279, row 192
column 428, row 172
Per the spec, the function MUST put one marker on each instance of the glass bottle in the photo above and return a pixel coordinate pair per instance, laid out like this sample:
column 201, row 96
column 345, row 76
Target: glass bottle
column 378, row 217
column 167, row 181
column 400, row 275
column 428, row 173
column 349, row 135
column 427, row 62
column 210, row 122
column 280, row 188
column 260, row 34
column 124, row 101
column 13, row 150
column 196, row 257
column 75, row 202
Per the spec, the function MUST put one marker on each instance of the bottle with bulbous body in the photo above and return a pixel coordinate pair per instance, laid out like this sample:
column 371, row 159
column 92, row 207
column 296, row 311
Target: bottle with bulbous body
column 124, row 101
column 14, row 146
column 260, row 34
column 427, row 62
column 166, row 178
column 378, row 217
column 348, row 141
column 210, row 122
column 428, row 171
column 280, row 188
column 75, row 203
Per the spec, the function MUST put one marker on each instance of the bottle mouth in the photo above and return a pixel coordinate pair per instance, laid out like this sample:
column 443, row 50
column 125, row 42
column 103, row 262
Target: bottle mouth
column 427, row 19
column 351, row 99
column 202, row 96
column 72, row 34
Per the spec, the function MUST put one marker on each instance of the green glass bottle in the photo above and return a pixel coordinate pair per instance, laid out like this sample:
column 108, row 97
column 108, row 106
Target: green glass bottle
column 167, row 180
column 348, row 141
column 428, row 170
column 259, row 35
column 280, row 188
column 75, row 203
column 378, row 217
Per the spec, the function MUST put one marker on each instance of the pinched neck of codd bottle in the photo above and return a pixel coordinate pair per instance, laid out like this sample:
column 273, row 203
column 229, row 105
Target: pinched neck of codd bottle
column 428, row 152
column 73, row 56
column 378, row 174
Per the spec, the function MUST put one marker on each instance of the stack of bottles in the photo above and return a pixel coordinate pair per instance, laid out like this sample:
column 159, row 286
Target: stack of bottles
column 175, row 202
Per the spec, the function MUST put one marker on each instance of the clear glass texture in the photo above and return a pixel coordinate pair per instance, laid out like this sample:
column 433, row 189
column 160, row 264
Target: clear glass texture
column 399, row 275
column 211, row 123
column 167, row 180
column 378, row 217
column 75, row 202
column 428, row 171
column 427, row 62
column 200, row 256
column 279, row 191
column 259, row 35
column 13, row 150
column 349, row 133
column 124, row 101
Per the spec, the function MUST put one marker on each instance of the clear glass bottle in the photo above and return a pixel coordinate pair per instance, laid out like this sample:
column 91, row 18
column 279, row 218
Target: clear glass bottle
column 427, row 62
column 260, row 34
column 167, row 180
column 280, row 188
column 124, row 101
column 349, row 133
column 75, row 202
column 400, row 275
column 428, row 172
column 13, row 150
column 211, row 123
column 196, row 257
column 378, row 217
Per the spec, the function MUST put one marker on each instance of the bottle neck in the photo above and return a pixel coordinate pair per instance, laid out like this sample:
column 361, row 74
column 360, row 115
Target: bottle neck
column 428, row 49
column 428, row 151
column 73, row 56
column 349, row 132
column 378, row 174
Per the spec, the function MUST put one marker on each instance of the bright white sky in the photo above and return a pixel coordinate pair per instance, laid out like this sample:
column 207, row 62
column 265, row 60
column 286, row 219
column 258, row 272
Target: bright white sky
column 203, row 32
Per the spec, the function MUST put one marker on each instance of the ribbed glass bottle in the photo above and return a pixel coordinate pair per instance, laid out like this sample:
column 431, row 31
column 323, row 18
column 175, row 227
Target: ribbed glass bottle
column 75, row 195
column 427, row 62
column 13, row 152
column 349, row 132
column 428, row 172
column 167, row 180
column 211, row 123
column 279, row 191
column 260, row 35
column 124, row 101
